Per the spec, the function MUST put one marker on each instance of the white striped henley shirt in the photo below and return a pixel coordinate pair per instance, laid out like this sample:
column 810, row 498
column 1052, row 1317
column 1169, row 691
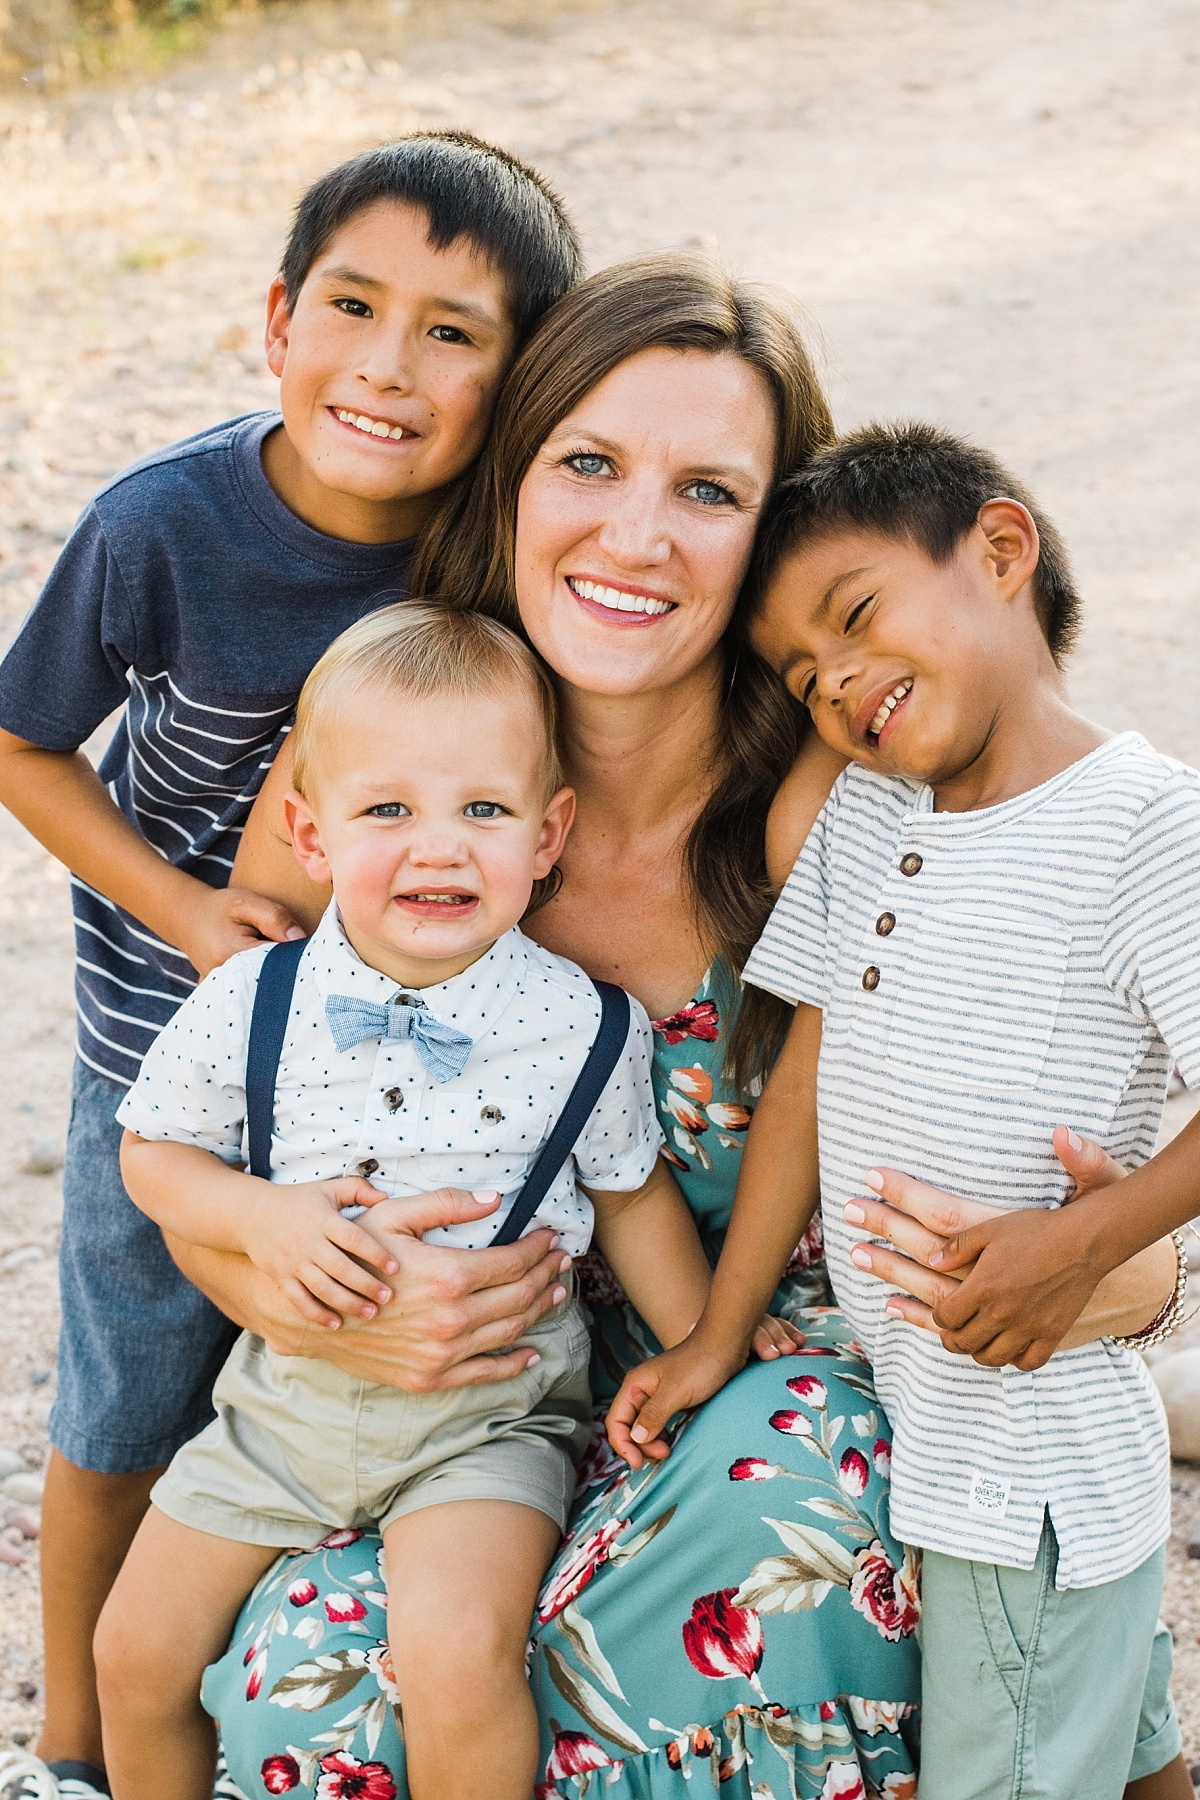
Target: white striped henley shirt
column 983, row 977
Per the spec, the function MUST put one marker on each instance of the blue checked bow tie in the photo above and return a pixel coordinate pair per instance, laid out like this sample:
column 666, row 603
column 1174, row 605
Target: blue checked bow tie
column 442, row 1049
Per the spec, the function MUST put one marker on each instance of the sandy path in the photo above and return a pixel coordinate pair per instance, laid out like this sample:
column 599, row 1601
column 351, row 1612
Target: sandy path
column 989, row 213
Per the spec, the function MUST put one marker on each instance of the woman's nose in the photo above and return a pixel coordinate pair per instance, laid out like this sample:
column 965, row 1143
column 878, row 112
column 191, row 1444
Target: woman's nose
column 635, row 531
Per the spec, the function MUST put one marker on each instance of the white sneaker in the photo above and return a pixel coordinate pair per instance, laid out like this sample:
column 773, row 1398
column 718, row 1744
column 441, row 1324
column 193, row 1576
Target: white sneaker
column 24, row 1776
column 224, row 1787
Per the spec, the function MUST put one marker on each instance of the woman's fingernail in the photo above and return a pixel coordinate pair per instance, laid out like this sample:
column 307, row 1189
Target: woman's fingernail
column 894, row 1308
column 383, row 1295
column 853, row 1213
column 294, row 932
column 639, row 1434
column 555, row 1241
column 534, row 1360
column 1074, row 1140
column 874, row 1180
column 484, row 1196
column 559, row 1295
column 934, row 1259
column 861, row 1256
column 368, row 1312
column 564, row 1265
column 334, row 1324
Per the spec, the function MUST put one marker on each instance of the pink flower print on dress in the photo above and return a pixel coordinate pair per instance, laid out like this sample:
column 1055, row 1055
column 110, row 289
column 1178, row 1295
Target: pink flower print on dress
column 753, row 1468
column 575, row 1753
column 254, row 1680
column 885, row 1595
column 854, row 1472
column 792, row 1424
column 280, row 1774
column 578, row 1569
column 843, row 1781
column 302, row 1592
column 343, row 1777
column 810, row 1250
column 379, row 1661
column 340, row 1540
column 698, row 1019
column 344, row 1609
column 809, row 1389
column 723, row 1640
column 882, row 1458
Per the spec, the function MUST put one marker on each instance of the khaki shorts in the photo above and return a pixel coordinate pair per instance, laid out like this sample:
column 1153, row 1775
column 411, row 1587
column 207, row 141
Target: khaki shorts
column 299, row 1448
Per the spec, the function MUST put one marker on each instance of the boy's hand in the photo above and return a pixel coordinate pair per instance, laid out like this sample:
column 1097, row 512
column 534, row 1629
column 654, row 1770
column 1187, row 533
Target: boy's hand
column 221, row 921
column 299, row 1237
column 774, row 1338
column 653, row 1393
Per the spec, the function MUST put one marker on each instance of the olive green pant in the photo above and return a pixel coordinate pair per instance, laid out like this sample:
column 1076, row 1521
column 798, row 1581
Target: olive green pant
column 1033, row 1694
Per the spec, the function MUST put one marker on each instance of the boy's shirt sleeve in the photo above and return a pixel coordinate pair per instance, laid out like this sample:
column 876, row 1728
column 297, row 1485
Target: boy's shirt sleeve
column 789, row 958
column 67, row 668
column 192, row 1085
column 1151, row 949
column 621, row 1141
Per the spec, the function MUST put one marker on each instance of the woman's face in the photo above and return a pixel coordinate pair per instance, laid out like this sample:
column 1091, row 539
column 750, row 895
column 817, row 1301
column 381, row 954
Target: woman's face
column 637, row 516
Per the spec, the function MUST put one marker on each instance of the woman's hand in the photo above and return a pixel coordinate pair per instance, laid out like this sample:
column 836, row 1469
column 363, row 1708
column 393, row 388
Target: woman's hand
column 453, row 1322
column 918, row 1220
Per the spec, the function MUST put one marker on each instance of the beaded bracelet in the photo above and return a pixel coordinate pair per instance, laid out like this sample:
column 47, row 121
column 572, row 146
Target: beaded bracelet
column 1167, row 1322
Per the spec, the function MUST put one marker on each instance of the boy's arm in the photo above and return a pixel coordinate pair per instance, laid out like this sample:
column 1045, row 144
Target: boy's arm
column 296, row 1234
column 777, row 1194
column 58, row 796
column 265, row 861
column 1036, row 1270
column 650, row 1240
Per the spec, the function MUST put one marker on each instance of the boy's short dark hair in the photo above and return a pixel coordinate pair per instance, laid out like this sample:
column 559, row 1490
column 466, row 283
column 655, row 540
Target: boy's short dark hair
column 467, row 189
column 911, row 481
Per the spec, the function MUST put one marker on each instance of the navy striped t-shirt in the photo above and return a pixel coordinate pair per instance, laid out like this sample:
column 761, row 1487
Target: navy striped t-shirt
column 191, row 595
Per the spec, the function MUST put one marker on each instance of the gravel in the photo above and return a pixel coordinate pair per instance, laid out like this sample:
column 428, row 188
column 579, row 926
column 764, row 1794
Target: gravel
column 990, row 215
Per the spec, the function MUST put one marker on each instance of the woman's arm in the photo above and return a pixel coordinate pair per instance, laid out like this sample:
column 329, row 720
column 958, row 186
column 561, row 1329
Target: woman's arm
column 917, row 1220
column 802, row 793
column 265, row 862
column 454, row 1320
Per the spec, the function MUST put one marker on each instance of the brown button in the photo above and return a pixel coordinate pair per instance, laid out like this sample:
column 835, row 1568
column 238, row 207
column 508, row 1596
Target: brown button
column 491, row 1115
column 394, row 1098
column 367, row 1166
column 885, row 924
column 871, row 978
column 910, row 864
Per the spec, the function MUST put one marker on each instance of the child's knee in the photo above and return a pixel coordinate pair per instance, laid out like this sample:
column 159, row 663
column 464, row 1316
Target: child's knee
column 457, row 1665
column 139, row 1665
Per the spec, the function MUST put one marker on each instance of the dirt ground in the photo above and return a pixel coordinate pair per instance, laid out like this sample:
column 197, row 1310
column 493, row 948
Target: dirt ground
column 990, row 213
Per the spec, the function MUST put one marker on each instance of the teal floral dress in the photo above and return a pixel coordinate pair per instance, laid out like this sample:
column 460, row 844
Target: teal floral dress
column 738, row 1616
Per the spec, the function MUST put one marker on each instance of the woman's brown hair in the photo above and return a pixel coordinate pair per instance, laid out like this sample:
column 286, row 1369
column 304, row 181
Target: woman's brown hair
column 466, row 557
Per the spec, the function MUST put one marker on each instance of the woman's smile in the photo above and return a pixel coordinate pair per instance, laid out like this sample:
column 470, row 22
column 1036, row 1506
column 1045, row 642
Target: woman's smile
column 618, row 605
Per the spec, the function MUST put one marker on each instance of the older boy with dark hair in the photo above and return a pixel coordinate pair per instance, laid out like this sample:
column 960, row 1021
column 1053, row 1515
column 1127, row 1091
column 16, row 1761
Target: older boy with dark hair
column 197, row 591
column 993, row 928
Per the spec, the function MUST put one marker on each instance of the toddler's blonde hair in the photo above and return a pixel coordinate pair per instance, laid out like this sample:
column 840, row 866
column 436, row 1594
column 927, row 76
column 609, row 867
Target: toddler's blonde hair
column 421, row 650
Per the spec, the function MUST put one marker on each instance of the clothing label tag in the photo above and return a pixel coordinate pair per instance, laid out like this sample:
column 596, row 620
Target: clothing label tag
column 989, row 1496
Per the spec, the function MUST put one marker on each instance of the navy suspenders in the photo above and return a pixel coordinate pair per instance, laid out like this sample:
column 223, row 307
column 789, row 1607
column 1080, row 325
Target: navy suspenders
column 268, row 1025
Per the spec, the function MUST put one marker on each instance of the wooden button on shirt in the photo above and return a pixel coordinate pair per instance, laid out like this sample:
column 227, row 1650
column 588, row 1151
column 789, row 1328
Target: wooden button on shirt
column 911, row 864
column 376, row 1111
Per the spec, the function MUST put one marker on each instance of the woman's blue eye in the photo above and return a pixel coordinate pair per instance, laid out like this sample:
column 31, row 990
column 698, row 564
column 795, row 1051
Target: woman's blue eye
column 586, row 464
column 389, row 809
column 483, row 809
column 709, row 493
column 357, row 309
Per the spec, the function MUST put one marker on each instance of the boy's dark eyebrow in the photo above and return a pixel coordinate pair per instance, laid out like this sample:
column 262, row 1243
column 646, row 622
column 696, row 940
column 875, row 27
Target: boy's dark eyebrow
column 464, row 309
column 831, row 594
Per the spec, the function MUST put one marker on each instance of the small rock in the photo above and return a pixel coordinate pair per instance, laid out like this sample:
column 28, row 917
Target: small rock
column 27, row 1690
column 1178, row 1381
column 39, row 1378
column 26, row 1487
column 28, row 1523
column 45, row 1157
column 9, row 1556
column 16, row 1259
column 12, row 1464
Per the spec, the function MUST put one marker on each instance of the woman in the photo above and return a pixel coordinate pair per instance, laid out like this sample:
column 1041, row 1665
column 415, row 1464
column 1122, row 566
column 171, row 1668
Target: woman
column 768, row 1648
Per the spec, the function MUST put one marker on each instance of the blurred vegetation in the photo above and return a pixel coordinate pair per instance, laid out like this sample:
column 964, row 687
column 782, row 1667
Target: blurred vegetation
column 57, row 41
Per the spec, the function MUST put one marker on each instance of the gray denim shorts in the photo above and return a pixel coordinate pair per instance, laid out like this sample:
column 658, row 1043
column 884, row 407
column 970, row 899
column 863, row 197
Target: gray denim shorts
column 139, row 1347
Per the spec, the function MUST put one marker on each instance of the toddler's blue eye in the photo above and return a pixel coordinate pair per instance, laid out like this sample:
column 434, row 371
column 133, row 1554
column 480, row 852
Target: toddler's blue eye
column 483, row 809
column 389, row 809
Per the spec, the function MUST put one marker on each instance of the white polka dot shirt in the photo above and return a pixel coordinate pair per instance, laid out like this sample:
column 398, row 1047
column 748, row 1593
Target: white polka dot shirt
column 376, row 1111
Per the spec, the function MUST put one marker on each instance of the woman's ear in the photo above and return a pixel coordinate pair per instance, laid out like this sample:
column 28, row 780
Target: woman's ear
column 1013, row 544
column 557, row 820
column 306, row 837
